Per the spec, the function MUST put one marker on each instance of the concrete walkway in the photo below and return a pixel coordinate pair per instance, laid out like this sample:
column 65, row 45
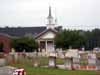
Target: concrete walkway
column 6, row 70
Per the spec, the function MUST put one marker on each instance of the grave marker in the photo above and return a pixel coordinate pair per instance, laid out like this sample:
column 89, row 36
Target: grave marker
column 52, row 60
column 72, row 58
column 91, row 59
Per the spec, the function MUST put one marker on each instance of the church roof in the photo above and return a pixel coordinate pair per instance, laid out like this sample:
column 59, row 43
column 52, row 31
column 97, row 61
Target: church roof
column 21, row 31
column 47, row 30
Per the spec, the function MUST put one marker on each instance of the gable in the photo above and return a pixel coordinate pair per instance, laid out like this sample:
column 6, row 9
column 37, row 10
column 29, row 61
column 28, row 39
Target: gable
column 47, row 35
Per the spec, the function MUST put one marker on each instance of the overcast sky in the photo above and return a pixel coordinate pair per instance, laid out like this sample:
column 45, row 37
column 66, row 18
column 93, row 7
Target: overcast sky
column 78, row 14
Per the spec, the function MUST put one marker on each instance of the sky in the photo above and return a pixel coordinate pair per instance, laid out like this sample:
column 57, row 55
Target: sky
column 71, row 14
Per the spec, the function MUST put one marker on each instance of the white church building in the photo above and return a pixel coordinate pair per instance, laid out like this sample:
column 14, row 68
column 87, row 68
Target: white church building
column 46, row 38
column 44, row 35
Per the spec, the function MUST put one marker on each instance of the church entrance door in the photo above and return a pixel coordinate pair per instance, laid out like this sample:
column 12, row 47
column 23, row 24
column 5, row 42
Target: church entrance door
column 50, row 46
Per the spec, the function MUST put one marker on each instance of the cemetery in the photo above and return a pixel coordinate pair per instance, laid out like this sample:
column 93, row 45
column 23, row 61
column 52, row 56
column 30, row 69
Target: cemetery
column 49, row 50
column 72, row 60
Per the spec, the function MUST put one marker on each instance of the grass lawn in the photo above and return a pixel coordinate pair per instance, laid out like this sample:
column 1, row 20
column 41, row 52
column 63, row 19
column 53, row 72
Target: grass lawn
column 44, row 61
column 50, row 71
column 30, row 70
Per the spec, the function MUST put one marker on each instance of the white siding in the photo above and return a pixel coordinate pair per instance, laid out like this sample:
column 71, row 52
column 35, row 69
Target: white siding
column 48, row 35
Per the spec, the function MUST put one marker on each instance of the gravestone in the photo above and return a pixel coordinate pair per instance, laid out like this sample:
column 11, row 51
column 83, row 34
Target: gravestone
column 91, row 59
column 52, row 59
column 35, row 59
column 74, row 56
column 98, row 63
column 60, row 54
column 12, row 55
column 76, row 62
column 24, row 54
column 68, row 63
column 2, row 60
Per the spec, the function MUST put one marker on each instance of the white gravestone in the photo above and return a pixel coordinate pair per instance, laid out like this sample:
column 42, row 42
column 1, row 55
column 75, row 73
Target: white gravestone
column 68, row 63
column 98, row 63
column 52, row 60
column 13, row 55
column 74, row 54
column 2, row 62
column 92, row 59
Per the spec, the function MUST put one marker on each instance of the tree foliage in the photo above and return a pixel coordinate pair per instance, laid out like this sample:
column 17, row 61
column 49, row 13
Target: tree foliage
column 69, row 38
column 64, row 39
column 24, row 43
column 93, row 38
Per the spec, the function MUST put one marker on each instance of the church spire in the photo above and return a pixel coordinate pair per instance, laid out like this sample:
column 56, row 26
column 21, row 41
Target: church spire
column 50, row 14
column 50, row 20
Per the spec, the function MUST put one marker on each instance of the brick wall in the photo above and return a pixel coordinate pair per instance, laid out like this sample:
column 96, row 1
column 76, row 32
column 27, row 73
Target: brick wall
column 6, row 43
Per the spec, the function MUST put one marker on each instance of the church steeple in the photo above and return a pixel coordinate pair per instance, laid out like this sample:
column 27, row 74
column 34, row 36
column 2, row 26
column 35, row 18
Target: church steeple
column 50, row 23
column 50, row 14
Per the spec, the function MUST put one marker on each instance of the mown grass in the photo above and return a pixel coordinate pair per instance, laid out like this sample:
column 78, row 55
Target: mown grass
column 30, row 70
column 42, row 61
column 26, row 63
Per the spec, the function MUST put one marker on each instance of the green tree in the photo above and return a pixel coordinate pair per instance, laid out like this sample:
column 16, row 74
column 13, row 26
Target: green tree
column 69, row 38
column 93, row 39
column 24, row 43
